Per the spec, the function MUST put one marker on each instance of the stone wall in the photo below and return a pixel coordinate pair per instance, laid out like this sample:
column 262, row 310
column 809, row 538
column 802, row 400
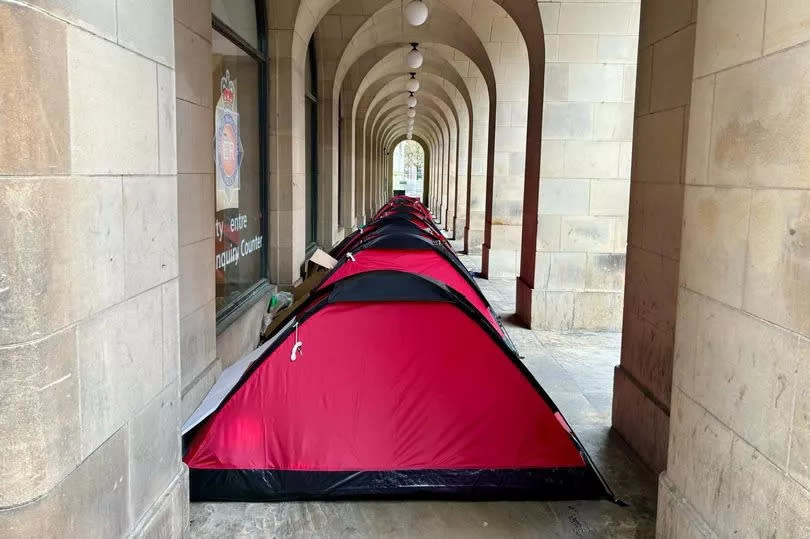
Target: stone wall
column 739, row 446
column 585, row 163
column 643, row 381
column 89, row 362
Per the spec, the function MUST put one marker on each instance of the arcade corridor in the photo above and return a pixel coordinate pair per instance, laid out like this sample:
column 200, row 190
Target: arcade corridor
column 630, row 178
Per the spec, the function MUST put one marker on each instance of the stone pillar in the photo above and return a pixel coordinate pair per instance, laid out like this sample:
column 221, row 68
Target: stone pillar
column 585, row 164
column 504, row 205
column 287, row 192
column 89, row 347
column 359, row 171
column 463, row 179
column 474, row 229
column 328, row 117
column 195, row 195
column 739, row 444
column 643, row 380
column 347, row 195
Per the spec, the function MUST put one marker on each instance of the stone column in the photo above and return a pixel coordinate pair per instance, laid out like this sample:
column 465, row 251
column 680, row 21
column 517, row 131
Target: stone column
column 504, row 213
column 642, row 385
column 89, row 347
column 739, row 443
column 474, row 228
column 585, row 164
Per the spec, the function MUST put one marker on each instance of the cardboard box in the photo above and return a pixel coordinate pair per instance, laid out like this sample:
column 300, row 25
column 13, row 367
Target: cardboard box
column 317, row 267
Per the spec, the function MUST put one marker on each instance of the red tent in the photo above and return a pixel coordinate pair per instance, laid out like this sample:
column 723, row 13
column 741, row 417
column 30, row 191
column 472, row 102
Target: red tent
column 391, row 380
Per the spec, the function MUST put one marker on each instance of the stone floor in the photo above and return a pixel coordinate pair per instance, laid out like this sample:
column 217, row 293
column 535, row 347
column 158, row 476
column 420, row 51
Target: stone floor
column 576, row 369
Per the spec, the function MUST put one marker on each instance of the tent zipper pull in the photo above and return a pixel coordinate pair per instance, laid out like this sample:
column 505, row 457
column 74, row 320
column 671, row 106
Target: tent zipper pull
column 350, row 257
column 297, row 347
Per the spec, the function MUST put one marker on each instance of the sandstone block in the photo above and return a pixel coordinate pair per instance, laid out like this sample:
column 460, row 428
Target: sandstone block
column 599, row 311
column 729, row 33
column 700, row 130
column 587, row 234
column 98, row 16
column 564, row 197
column 744, row 373
column 171, row 330
column 613, row 121
column 34, row 70
column 112, row 91
column 640, row 421
column 617, row 49
column 39, row 416
column 196, row 271
column 592, row 18
column 121, row 365
column 587, row 159
column 605, row 272
column 567, row 120
column 595, row 82
column 154, row 449
column 566, row 271
column 63, row 226
column 577, row 48
column 146, row 26
column 195, row 133
column 760, row 133
column 195, row 199
column 150, row 231
column 609, row 197
column 658, row 146
column 787, row 24
column 90, row 502
column 672, row 71
column 714, row 242
column 777, row 285
column 167, row 126
column 699, row 456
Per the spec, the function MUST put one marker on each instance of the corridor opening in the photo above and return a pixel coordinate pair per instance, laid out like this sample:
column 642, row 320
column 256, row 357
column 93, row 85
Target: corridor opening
column 409, row 169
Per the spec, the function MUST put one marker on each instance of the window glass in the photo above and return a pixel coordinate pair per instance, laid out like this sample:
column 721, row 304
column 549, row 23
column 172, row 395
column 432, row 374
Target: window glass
column 238, row 223
column 239, row 16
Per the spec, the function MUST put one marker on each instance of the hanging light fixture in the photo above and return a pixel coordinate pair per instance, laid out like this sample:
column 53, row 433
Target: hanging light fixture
column 413, row 83
column 410, row 136
column 414, row 58
column 411, row 100
column 416, row 12
column 411, row 113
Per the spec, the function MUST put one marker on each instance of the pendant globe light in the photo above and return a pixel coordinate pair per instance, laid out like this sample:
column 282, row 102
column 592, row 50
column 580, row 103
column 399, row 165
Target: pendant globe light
column 414, row 58
column 416, row 12
column 411, row 100
column 411, row 113
column 413, row 84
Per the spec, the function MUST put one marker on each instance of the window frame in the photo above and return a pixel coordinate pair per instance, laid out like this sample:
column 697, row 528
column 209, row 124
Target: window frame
column 311, row 102
column 233, row 310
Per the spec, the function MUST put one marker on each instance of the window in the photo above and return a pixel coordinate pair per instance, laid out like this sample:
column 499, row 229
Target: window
column 240, row 155
column 311, row 122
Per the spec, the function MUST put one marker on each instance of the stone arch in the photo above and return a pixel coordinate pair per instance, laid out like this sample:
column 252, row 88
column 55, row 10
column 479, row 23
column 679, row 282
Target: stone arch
column 419, row 139
column 516, row 27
